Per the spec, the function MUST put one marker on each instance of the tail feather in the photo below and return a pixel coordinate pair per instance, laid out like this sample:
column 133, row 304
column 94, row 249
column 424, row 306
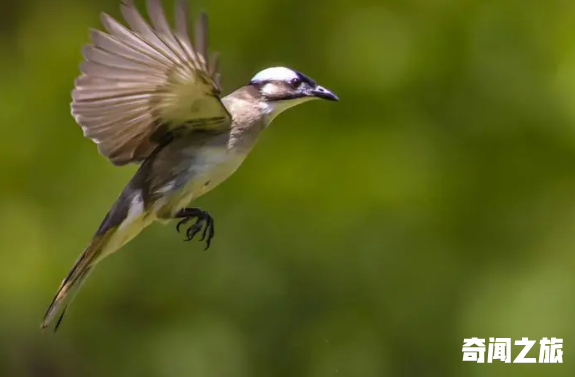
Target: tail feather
column 63, row 298
column 72, row 283
column 124, row 221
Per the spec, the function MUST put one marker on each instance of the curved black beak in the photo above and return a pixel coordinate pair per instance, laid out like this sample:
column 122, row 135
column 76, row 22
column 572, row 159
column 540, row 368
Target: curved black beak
column 323, row 93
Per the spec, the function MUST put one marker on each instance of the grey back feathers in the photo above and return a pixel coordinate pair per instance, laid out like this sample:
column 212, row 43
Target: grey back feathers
column 141, row 83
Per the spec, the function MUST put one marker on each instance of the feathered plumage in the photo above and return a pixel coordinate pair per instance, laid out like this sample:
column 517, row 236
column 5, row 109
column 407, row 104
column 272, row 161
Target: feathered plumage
column 139, row 84
column 147, row 94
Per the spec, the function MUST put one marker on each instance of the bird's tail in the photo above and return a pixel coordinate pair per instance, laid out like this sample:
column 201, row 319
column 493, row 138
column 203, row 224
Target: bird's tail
column 124, row 221
column 77, row 275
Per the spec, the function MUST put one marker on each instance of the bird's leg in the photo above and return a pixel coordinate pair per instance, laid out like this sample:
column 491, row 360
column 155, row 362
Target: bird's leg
column 202, row 217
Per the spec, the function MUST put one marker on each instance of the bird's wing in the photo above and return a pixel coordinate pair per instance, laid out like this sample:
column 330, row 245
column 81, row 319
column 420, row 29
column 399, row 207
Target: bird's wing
column 139, row 84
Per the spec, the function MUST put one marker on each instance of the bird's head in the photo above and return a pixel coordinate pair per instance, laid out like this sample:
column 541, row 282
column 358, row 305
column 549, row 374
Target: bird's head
column 281, row 88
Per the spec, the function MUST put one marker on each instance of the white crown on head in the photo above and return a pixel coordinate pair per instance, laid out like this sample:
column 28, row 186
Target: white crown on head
column 275, row 73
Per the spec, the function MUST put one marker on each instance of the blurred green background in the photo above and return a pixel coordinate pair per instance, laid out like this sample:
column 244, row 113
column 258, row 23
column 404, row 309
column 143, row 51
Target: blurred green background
column 434, row 202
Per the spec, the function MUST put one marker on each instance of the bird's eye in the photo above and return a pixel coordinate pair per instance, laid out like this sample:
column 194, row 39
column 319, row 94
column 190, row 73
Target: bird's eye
column 295, row 82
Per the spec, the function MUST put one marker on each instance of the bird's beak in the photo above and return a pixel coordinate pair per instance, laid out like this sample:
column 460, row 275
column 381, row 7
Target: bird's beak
column 323, row 93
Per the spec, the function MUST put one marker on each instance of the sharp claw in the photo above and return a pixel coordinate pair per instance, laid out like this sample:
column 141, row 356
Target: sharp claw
column 205, row 231
column 210, row 234
column 194, row 229
column 208, row 242
column 180, row 223
column 202, row 218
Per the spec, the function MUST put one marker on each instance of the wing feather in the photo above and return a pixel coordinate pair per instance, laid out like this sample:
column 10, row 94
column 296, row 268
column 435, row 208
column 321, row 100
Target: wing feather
column 146, row 77
column 181, row 31
column 201, row 40
column 97, row 55
column 141, row 27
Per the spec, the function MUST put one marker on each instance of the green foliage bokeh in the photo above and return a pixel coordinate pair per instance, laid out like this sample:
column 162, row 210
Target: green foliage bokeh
column 368, row 237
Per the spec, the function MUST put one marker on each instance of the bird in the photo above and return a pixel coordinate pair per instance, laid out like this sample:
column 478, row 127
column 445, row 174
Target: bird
column 150, row 96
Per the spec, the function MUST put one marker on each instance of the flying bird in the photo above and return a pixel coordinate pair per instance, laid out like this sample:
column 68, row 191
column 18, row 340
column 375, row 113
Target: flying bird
column 149, row 95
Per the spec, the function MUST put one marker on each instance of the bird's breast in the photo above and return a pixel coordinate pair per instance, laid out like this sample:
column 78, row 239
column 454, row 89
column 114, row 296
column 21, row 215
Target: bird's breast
column 197, row 167
column 206, row 168
column 212, row 165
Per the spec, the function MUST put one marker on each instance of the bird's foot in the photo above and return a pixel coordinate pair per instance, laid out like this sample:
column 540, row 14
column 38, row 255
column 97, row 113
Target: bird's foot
column 203, row 220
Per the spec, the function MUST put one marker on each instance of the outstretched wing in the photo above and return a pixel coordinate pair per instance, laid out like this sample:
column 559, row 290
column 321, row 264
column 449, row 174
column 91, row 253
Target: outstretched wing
column 140, row 83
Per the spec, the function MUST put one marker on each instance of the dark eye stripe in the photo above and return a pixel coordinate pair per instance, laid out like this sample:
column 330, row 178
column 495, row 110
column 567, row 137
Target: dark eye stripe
column 306, row 79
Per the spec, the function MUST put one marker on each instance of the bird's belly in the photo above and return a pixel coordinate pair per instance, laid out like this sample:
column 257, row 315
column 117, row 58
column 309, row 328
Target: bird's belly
column 207, row 169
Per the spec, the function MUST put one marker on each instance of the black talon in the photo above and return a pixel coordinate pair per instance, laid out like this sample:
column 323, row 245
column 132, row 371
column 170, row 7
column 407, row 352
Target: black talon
column 202, row 218
column 180, row 223
column 205, row 230
column 194, row 229
column 210, row 232
column 210, row 228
